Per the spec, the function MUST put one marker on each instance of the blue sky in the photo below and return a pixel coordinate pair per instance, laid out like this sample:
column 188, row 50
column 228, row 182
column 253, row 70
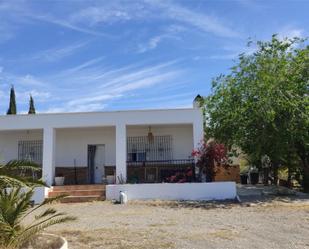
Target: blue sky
column 114, row 55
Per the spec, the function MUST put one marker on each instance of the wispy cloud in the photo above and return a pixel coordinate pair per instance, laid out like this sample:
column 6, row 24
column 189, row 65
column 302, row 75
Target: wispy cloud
column 67, row 24
column 95, row 85
column 168, row 33
column 55, row 54
column 291, row 32
column 203, row 22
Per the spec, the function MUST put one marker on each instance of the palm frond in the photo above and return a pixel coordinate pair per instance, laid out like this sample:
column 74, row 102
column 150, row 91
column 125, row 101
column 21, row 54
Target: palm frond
column 22, row 165
column 49, row 200
column 14, row 207
column 28, row 234
column 12, row 174
column 47, row 212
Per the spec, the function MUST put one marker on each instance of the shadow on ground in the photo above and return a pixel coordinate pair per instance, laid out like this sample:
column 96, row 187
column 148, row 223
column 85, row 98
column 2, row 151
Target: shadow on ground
column 247, row 196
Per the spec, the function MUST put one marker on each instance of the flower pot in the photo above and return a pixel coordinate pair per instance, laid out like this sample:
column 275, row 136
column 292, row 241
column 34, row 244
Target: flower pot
column 254, row 178
column 244, row 179
column 59, row 180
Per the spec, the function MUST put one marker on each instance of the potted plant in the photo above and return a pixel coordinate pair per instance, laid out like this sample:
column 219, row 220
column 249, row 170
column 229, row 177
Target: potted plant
column 59, row 180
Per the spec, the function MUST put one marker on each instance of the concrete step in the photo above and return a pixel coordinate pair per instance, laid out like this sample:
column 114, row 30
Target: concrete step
column 79, row 187
column 75, row 199
column 79, row 193
column 82, row 192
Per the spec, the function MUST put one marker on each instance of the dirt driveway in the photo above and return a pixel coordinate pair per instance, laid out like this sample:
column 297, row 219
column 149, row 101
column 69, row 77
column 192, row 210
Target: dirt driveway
column 155, row 224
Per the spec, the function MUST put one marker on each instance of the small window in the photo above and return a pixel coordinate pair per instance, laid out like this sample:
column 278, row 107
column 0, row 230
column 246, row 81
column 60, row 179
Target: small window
column 141, row 149
column 137, row 156
column 31, row 150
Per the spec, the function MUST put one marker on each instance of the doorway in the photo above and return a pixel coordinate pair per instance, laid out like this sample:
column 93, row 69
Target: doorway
column 96, row 161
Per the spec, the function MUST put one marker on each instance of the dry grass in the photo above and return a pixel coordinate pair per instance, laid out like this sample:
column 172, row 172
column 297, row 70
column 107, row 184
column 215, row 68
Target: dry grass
column 224, row 234
column 118, row 238
column 197, row 225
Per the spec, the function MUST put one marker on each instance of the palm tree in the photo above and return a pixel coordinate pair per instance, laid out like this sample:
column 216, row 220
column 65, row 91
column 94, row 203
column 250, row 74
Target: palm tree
column 15, row 207
column 19, row 173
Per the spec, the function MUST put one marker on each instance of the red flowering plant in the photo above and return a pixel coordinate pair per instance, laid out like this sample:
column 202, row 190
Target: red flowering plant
column 208, row 155
column 180, row 177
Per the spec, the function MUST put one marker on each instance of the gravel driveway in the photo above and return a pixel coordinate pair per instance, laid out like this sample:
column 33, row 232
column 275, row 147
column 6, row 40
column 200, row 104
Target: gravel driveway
column 272, row 223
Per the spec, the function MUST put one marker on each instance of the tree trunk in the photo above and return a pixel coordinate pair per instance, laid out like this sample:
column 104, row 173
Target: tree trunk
column 289, row 176
column 306, row 180
column 275, row 169
column 265, row 178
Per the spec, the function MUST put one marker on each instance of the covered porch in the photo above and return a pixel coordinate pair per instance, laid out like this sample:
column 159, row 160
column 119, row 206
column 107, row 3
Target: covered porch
column 106, row 154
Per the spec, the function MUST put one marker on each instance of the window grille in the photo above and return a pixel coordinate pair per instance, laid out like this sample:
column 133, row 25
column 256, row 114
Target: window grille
column 31, row 150
column 140, row 149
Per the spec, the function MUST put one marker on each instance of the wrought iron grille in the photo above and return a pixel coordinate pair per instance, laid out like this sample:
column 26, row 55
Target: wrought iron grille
column 31, row 150
column 140, row 149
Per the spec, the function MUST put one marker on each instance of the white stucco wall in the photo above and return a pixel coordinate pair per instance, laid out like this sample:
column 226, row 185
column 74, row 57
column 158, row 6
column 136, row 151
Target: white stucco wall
column 9, row 142
column 174, row 191
column 72, row 143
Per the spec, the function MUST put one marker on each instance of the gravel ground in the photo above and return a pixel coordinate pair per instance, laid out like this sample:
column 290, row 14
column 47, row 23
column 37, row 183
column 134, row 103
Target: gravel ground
column 264, row 223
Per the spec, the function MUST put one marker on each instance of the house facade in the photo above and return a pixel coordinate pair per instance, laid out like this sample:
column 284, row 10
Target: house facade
column 122, row 146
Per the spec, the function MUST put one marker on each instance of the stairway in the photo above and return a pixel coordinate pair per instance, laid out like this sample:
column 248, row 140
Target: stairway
column 79, row 193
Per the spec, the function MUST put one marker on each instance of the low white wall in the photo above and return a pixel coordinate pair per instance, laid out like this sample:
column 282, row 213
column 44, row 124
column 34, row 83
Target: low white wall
column 174, row 191
column 39, row 195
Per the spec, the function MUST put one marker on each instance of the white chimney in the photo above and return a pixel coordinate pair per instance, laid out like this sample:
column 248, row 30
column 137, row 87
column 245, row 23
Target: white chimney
column 197, row 101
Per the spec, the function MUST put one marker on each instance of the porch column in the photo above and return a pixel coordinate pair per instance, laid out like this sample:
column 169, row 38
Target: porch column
column 48, row 171
column 198, row 133
column 121, row 152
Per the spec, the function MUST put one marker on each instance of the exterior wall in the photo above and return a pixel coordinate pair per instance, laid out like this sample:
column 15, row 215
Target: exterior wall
column 99, row 119
column 9, row 142
column 174, row 191
column 73, row 144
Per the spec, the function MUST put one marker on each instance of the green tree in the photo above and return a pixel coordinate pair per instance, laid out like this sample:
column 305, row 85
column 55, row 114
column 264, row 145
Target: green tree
column 31, row 106
column 12, row 106
column 262, row 105
column 15, row 208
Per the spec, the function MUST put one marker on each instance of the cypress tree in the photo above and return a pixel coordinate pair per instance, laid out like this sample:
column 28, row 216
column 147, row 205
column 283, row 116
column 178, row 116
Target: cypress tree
column 31, row 106
column 12, row 107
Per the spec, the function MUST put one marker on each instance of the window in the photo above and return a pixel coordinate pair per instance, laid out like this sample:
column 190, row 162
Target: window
column 139, row 149
column 31, row 150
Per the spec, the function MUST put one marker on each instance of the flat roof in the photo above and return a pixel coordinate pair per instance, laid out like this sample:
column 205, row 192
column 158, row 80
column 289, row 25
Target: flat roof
column 96, row 112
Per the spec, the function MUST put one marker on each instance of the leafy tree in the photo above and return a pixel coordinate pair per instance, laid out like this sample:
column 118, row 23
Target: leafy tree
column 31, row 106
column 262, row 105
column 15, row 208
column 12, row 107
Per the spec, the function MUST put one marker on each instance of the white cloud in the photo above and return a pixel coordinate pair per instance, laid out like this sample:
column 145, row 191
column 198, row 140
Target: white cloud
column 95, row 85
column 151, row 44
column 203, row 22
column 290, row 32
column 55, row 54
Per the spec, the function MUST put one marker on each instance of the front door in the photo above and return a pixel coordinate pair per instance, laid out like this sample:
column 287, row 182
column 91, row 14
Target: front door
column 96, row 158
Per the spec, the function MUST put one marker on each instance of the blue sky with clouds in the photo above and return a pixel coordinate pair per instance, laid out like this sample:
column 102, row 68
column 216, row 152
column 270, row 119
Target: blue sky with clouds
column 110, row 55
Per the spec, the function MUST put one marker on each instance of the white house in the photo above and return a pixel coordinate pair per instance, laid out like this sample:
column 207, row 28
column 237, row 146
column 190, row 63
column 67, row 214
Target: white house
column 86, row 147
